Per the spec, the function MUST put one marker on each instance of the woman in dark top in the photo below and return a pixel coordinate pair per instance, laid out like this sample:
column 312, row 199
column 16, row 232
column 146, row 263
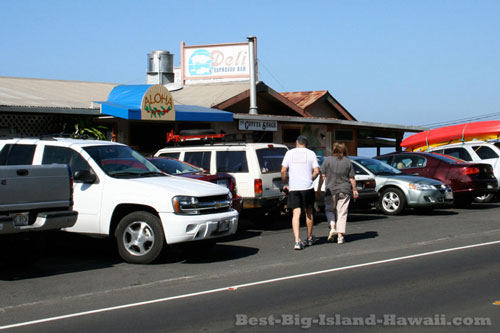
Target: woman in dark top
column 340, row 185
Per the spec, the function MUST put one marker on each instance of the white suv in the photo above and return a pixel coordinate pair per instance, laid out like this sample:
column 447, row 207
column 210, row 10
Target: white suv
column 474, row 151
column 118, row 192
column 255, row 166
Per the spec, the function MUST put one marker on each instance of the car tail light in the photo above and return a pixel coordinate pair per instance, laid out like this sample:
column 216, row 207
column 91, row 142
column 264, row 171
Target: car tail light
column 71, row 187
column 233, row 186
column 471, row 171
column 258, row 186
column 370, row 183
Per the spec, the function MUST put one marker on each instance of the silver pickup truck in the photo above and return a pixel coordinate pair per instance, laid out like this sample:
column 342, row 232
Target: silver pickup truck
column 35, row 198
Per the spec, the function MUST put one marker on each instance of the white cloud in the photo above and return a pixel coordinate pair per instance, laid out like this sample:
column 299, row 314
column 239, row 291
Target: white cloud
column 200, row 59
column 203, row 70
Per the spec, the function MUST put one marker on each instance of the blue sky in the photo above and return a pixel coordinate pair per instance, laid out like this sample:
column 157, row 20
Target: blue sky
column 408, row 62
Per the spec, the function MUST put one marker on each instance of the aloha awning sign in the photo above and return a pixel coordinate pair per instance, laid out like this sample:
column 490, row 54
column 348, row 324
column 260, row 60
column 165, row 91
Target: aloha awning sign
column 157, row 104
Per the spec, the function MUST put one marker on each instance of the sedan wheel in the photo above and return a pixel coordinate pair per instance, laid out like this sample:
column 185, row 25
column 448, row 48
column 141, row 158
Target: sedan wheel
column 140, row 238
column 485, row 198
column 392, row 201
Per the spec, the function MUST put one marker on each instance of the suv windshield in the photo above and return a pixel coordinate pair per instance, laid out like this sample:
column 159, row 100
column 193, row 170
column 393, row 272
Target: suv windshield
column 121, row 161
column 270, row 159
column 174, row 167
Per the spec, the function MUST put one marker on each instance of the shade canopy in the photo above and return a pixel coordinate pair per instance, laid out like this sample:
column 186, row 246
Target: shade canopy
column 154, row 102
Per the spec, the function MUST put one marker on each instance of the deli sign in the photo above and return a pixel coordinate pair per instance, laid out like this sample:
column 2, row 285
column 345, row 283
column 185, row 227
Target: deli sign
column 258, row 125
column 215, row 63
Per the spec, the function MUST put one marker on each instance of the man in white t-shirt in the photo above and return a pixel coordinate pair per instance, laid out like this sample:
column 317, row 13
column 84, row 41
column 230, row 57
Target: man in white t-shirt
column 302, row 167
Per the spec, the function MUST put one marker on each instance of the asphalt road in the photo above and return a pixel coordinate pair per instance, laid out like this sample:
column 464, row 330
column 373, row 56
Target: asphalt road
column 395, row 272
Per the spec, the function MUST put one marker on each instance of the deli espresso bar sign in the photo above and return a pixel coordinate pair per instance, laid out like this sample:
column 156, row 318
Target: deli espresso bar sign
column 258, row 125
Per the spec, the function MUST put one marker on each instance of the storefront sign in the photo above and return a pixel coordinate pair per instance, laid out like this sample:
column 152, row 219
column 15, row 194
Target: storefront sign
column 157, row 104
column 216, row 62
column 258, row 125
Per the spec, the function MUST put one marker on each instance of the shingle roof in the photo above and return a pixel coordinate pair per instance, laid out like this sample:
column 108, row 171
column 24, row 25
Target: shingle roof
column 304, row 98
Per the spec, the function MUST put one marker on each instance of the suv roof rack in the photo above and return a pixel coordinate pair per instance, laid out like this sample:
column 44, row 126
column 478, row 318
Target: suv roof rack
column 208, row 137
column 193, row 135
column 41, row 137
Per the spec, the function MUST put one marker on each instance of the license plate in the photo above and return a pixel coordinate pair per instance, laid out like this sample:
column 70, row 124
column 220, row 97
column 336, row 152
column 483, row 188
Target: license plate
column 20, row 219
column 490, row 186
column 448, row 195
column 224, row 225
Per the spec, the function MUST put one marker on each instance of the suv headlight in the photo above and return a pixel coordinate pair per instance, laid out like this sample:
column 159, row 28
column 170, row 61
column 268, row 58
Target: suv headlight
column 420, row 187
column 185, row 205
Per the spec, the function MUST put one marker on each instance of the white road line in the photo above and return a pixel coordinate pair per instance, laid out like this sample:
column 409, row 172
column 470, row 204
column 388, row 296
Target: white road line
column 211, row 291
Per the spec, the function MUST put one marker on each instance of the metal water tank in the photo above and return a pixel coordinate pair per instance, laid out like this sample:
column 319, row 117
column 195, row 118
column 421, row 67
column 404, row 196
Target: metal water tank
column 160, row 67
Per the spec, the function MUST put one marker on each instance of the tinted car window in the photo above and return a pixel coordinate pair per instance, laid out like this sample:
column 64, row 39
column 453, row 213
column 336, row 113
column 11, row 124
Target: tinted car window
column 358, row 170
column 198, row 158
column 63, row 155
column 384, row 159
column 232, row 161
column 378, row 167
column 172, row 155
column 17, row 154
column 408, row 161
column 270, row 159
column 460, row 153
column 484, row 152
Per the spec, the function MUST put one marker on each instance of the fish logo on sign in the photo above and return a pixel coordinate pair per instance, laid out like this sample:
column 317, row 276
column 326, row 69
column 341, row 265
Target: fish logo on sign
column 200, row 63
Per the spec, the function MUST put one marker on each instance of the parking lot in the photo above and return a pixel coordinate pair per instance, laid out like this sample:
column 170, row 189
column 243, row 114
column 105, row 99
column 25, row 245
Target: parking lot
column 77, row 273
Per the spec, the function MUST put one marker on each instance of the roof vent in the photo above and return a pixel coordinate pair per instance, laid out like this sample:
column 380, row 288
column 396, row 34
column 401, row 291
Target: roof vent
column 160, row 67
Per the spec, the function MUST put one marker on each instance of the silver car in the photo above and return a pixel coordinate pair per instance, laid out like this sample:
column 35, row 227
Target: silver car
column 399, row 190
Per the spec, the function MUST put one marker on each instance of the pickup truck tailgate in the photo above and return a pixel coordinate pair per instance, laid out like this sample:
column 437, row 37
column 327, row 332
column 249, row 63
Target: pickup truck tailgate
column 23, row 187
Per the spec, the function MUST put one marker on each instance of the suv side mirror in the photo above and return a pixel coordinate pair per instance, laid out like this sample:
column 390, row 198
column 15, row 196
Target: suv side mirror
column 84, row 176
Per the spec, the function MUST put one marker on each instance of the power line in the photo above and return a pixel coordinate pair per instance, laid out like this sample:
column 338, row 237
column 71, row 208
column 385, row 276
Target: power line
column 270, row 73
column 463, row 120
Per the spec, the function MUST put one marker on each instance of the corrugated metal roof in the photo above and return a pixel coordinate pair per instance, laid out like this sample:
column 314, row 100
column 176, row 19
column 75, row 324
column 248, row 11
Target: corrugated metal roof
column 209, row 94
column 43, row 93
column 304, row 98
column 26, row 92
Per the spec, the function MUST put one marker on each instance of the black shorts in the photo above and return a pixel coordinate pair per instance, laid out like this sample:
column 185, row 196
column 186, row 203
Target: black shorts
column 301, row 199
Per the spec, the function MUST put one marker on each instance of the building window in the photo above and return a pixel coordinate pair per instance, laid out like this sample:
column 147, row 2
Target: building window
column 343, row 135
column 290, row 135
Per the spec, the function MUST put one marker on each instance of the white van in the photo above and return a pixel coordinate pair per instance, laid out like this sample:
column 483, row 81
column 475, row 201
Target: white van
column 255, row 166
column 475, row 151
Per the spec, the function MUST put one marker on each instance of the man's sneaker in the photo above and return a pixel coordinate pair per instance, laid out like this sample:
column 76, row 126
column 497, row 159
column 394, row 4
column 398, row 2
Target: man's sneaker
column 332, row 234
column 311, row 241
column 340, row 240
column 298, row 246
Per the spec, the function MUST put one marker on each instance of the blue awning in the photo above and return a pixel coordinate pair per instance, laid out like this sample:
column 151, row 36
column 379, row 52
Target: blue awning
column 126, row 102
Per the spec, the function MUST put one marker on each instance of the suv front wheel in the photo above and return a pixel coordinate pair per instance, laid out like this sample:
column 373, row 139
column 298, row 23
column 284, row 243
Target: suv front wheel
column 140, row 238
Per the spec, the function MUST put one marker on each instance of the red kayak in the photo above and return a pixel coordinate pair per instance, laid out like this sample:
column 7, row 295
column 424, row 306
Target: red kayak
column 480, row 130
